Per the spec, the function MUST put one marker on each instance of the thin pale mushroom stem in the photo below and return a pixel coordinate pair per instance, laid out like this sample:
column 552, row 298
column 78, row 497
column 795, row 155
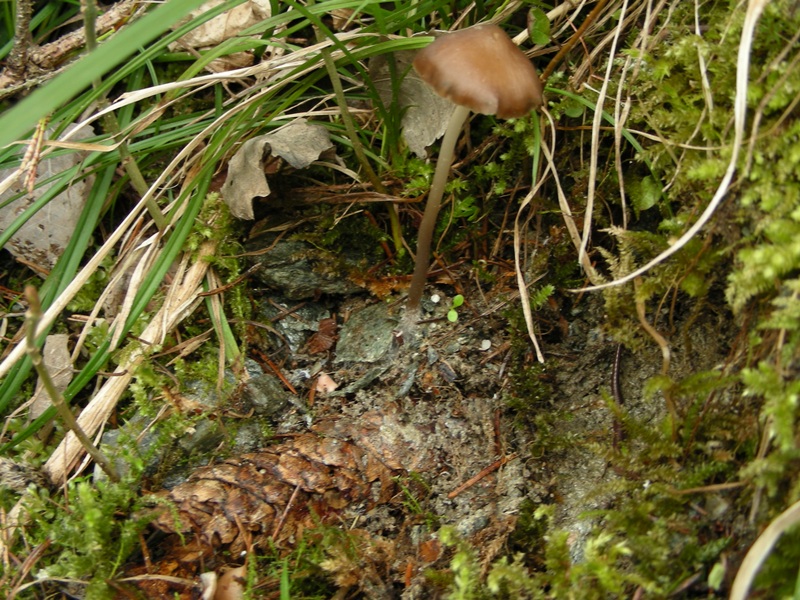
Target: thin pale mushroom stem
column 428, row 224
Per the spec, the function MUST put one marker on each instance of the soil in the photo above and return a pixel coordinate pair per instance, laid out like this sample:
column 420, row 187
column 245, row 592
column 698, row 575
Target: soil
column 424, row 437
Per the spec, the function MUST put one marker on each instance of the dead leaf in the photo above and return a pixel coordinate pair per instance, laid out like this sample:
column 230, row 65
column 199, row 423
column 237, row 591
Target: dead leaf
column 324, row 338
column 430, row 550
column 246, row 179
column 57, row 361
column 342, row 18
column 43, row 238
column 382, row 287
column 425, row 113
column 300, row 143
column 224, row 26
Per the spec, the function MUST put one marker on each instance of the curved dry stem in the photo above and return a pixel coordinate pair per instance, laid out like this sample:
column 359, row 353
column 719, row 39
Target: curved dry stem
column 754, row 11
column 760, row 550
column 522, row 285
column 598, row 117
column 566, row 212
column 621, row 113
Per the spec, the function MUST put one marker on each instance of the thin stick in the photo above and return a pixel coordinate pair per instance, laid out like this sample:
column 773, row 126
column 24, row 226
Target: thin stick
column 279, row 525
column 472, row 481
column 32, row 317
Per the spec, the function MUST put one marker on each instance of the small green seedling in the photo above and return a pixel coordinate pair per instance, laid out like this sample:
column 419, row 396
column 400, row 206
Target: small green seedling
column 452, row 314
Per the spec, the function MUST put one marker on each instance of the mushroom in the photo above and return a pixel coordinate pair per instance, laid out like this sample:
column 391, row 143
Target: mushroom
column 478, row 69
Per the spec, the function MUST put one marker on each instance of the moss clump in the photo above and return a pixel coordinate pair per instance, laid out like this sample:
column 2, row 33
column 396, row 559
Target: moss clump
column 685, row 482
column 89, row 542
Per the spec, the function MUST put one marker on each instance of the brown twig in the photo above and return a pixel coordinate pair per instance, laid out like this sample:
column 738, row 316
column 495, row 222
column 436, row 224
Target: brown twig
column 490, row 469
column 18, row 57
column 41, row 61
column 570, row 43
column 32, row 318
column 49, row 55
column 277, row 370
column 282, row 520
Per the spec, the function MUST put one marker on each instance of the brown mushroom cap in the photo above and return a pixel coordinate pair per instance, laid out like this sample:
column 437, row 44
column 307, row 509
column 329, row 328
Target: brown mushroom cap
column 482, row 69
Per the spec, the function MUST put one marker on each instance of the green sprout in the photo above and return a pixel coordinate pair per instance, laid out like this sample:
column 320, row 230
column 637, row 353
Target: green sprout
column 452, row 314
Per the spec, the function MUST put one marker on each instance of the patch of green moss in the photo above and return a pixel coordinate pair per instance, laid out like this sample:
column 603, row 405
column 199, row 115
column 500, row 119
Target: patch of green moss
column 86, row 298
column 357, row 237
column 83, row 533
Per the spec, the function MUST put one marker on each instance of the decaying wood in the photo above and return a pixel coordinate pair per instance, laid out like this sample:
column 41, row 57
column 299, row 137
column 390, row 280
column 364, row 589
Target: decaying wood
column 18, row 57
column 31, row 65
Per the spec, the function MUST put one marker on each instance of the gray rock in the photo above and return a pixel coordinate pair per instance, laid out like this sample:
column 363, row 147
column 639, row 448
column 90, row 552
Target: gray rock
column 266, row 394
column 301, row 271
column 367, row 336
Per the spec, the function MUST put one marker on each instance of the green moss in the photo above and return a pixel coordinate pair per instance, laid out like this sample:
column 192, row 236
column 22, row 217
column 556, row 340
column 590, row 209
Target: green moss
column 357, row 238
column 86, row 298
column 85, row 535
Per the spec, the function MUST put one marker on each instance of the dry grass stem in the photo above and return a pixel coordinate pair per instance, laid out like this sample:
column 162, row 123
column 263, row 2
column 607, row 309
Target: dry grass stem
column 181, row 300
column 566, row 211
column 754, row 10
column 759, row 551
column 521, row 283
column 593, row 158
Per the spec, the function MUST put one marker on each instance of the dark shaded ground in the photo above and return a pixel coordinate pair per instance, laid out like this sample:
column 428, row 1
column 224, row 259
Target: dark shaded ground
column 418, row 434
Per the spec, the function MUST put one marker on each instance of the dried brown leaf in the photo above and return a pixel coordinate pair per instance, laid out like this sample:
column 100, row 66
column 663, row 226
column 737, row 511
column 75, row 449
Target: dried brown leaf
column 300, row 143
column 224, row 26
column 425, row 114
column 324, row 338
